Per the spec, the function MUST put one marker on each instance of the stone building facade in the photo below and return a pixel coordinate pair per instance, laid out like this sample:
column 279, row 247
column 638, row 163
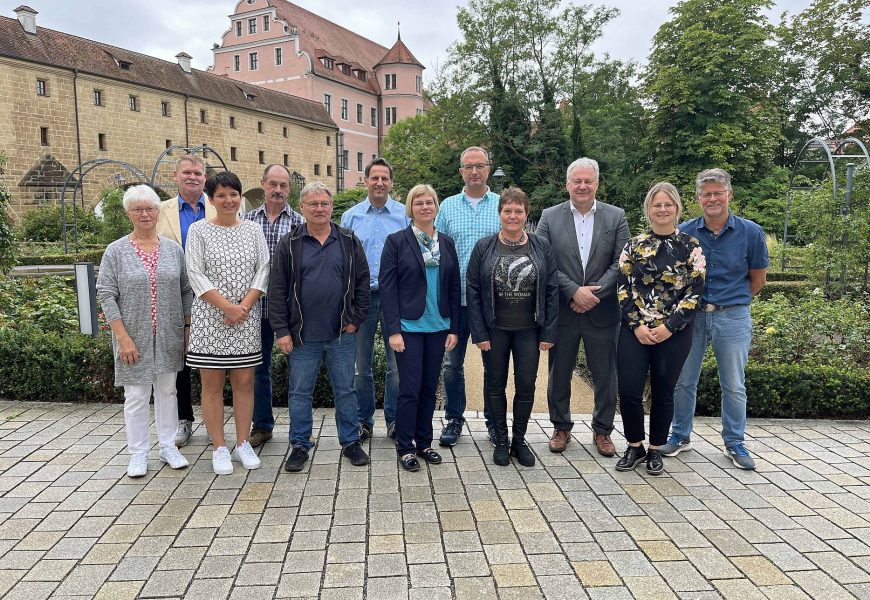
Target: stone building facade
column 364, row 86
column 68, row 100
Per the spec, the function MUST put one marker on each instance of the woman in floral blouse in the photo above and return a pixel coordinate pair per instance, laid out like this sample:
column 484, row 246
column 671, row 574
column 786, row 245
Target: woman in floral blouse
column 660, row 281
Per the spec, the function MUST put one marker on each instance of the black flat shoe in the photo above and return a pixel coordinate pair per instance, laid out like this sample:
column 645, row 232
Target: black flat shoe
column 502, row 455
column 409, row 462
column 430, row 456
column 654, row 463
column 634, row 455
column 523, row 454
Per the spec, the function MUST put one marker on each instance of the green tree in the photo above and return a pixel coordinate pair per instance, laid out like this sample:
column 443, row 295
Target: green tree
column 709, row 82
column 116, row 223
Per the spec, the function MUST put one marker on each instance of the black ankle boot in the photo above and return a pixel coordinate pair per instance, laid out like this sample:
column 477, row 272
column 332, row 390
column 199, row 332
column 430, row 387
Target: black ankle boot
column 522, row 453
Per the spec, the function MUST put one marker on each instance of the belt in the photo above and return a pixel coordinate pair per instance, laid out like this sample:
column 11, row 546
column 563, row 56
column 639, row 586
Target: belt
column 707, row 307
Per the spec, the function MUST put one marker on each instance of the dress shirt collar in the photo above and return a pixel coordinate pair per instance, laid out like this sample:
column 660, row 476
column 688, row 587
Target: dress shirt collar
column 591, row 211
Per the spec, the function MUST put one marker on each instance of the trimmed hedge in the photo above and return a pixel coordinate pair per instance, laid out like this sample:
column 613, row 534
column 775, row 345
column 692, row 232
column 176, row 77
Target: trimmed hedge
column 94, row 256
column 791, row 288
column 792, row 392
column 786, row 276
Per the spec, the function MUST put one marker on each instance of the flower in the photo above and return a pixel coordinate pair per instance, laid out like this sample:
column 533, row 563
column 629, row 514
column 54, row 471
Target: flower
column 770, row 330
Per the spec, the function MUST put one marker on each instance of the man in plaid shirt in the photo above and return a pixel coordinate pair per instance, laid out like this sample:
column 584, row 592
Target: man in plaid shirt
column 276, row 218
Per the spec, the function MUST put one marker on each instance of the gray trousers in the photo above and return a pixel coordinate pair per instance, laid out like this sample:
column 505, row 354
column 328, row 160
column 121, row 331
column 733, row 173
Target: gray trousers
column 599, row 344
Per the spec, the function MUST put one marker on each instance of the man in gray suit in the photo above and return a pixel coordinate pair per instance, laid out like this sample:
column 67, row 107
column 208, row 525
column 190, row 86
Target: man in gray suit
column 587, row 237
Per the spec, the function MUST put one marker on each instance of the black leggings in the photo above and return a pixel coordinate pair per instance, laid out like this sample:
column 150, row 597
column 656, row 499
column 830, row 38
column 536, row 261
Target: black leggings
column 663, row 361
column 523, row 344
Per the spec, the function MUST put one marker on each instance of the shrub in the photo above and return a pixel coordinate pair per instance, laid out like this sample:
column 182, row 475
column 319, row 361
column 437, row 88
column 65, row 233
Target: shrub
column 87, row 254
column 346, row 199
column 116, row 224
column 786, row 276
column 7, row 242
column 44, row 224
column 44, row 303
column 794, row 288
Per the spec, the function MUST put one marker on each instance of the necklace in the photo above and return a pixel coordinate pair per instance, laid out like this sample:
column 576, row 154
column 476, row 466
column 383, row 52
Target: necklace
column 513, row 243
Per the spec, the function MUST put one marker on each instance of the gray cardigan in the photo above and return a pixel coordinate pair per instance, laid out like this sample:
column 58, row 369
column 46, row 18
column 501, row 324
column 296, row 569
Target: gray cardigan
column 125, row 293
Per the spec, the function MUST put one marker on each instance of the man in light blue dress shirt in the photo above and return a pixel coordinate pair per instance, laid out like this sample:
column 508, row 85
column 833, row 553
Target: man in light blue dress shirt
column 372, row 220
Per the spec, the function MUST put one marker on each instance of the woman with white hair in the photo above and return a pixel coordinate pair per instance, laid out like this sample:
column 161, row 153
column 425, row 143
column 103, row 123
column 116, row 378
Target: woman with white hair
column 143, row 275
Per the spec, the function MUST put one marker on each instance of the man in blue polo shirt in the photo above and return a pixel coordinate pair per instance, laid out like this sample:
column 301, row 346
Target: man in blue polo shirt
column 737, row 262
column 372, row 220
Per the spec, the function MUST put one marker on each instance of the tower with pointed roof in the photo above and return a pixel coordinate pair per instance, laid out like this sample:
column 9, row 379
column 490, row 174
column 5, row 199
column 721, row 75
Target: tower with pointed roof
column 365, row 87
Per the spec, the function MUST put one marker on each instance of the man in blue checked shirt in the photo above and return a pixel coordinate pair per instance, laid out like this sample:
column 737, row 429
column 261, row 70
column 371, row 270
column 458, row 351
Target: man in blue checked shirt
column 276, row 218
column 466, row 217
column 372, row 220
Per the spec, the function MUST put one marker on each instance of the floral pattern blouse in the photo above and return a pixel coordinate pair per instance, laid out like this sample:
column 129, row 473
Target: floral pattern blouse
column 660, row 280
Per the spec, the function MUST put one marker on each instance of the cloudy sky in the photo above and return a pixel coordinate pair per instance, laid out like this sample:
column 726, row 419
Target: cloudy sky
column 163, row 28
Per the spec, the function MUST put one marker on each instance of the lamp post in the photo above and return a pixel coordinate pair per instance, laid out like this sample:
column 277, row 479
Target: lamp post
column 498, row 179
column 119, row 180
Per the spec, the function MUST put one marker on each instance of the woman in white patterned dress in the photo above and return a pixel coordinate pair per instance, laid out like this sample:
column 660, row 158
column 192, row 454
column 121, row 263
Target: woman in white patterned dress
column 228, row 265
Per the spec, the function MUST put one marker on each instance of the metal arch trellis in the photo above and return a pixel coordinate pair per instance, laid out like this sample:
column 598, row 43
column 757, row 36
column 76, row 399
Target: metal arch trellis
column 82, row 170
column 205, row 150
column 833, row 151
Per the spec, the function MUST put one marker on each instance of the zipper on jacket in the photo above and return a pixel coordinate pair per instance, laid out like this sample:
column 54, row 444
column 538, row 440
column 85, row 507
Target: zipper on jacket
column 346, row 292
column 295, row 295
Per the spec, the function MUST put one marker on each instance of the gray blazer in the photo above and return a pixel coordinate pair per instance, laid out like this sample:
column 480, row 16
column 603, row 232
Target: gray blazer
column 125, row 293
column 609, row 236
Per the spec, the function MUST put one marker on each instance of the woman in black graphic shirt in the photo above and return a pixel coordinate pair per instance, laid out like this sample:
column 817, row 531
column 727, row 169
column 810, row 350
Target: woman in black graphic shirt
column 659, row 286
column 513, row 307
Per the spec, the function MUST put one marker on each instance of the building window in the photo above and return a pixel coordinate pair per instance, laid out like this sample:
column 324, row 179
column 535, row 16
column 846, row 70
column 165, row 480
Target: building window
column 41, row 87
column 317, row 169
column 345, row 160
column 237, row 62
column 254, row 61
column 285, row 131
column 252, row 25
column 419, row 83
column 98, row 97
column 389, row 115
column 327, row 102
column 329, row 140
column 238, row 29
column 374, row 156
column 344, row 109
column 233, row 153
column 278, row 57
column 419, row 111
column 43, row 136
column 232, row 122
column 266, row 23
column 205, row 149
column 359, row 162
column 261, row 155
column 327, row 62
column 101, row 141
column 164, row 108
column 134, row 103
column 359, row 113
column 344, row 68
column 203, row 116
column 374, row 117
column 329, row 170
column 390, row 81
column 259, row 127
column 286, row 160
column 168, row 146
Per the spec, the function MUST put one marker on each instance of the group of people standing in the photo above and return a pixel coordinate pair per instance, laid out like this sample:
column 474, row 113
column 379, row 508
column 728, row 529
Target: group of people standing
column 432, row 275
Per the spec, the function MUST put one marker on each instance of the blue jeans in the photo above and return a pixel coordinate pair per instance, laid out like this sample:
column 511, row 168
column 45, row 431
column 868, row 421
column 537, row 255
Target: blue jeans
column 304, row 364
column 730, row 332
column 454, row 375
column 263, row 417
column 364, row 380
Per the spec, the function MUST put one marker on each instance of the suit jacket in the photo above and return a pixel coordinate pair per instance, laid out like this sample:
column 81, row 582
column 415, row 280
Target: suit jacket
column 402, row 280
column 169, row 223
column 609, row 235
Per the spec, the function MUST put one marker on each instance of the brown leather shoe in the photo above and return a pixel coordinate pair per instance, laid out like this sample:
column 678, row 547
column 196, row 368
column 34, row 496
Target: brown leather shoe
column 603, row 444
column 559, row 440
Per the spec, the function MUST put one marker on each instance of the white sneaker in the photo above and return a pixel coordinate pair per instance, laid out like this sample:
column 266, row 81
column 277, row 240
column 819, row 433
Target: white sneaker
column 246, row 455
column 221, row 461
column 171, row 456
column 138, row 464
column 183, row 433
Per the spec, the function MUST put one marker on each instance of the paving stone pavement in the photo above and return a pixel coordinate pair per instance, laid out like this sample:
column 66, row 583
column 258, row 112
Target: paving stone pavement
column 72, row 525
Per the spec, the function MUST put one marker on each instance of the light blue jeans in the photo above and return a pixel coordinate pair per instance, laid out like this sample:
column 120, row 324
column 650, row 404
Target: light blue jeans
column 304, row 364
column 364, row 381
column 730, row 333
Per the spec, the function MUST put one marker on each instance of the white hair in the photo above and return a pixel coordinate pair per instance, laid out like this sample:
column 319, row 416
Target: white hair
column 140, row 193
column 582, row 163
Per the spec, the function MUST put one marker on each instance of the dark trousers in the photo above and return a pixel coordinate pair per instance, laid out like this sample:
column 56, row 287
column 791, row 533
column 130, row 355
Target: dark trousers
column 523, row 345
column 663, row 361
column 263, row 417
column 419, row 369
column 182, row 390
column 599, row 343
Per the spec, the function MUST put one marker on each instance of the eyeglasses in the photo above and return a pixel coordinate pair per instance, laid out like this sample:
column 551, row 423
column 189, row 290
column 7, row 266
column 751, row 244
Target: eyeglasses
column 576, row 182
column 717, row 194
column 663, row 206
column 476, row 167
column 141, row 211
column 316, row 205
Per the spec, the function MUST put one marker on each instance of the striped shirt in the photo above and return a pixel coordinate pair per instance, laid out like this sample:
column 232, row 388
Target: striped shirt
column 273, row 231
column 459, row 219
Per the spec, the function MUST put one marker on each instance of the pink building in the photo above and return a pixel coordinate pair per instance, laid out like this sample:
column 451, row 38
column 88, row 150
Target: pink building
column 364, row 86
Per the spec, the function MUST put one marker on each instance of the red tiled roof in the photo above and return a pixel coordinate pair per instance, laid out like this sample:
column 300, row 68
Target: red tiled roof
column 399, row 54
column 55, row 48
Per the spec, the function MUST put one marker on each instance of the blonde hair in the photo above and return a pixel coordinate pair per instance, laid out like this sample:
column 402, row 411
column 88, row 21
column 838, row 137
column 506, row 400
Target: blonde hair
column 421, row 189
column 671, row 192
